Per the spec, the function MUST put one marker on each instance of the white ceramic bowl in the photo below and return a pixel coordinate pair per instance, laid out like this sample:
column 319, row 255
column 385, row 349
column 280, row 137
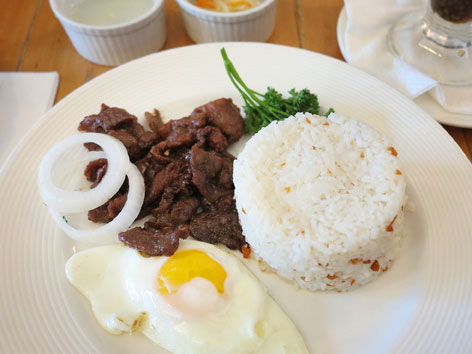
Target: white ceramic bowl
column 256, row 24
column 115, row 44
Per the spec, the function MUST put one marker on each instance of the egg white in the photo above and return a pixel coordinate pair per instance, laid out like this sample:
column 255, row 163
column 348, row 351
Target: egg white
column 122, row 288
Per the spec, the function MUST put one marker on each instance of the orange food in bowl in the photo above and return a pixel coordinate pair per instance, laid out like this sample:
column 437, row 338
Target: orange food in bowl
column 227, row 5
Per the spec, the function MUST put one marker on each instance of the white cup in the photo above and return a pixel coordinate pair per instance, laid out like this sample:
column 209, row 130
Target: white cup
column 114, row 44
column 202, row 25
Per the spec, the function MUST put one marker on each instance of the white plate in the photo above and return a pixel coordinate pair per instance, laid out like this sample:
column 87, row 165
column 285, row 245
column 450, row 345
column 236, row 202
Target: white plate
column 425, row 101
column 422, row 305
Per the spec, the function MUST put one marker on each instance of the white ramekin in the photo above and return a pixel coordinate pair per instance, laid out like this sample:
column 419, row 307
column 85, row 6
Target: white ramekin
column 115, row 44
column 256, row 24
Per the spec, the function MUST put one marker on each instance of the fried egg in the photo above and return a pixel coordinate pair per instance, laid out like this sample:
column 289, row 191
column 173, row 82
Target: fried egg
column 200, row 300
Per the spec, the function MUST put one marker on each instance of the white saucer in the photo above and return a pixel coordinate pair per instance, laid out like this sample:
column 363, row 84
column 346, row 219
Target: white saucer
column 425, row 101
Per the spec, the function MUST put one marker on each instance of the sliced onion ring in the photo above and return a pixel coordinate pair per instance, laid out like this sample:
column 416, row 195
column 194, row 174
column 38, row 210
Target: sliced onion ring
column 108, row 233
column 80, row 201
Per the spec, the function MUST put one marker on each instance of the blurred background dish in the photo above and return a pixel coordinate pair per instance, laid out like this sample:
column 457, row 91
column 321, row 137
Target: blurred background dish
column 437, row 40
column 110, row 32
column 255, row 24
column 425, row 101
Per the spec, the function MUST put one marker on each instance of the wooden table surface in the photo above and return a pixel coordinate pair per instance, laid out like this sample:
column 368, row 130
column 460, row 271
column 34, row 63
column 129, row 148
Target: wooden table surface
column 32, row 39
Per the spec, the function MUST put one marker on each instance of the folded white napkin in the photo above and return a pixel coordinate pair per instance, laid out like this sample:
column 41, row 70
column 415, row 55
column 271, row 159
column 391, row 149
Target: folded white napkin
column 366, row 48
column 24, row 98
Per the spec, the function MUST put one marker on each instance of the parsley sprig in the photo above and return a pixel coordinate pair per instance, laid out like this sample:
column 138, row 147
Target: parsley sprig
column 262, row 109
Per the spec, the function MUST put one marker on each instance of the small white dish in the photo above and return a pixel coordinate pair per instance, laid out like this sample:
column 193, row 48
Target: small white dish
column 253, row 25
column 116, row 43
column 425, row 100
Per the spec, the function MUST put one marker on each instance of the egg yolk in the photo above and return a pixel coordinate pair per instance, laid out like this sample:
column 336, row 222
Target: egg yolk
column 185, row 265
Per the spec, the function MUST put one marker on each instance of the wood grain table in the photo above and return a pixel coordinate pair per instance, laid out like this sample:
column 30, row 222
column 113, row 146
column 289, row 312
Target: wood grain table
column 32, row 39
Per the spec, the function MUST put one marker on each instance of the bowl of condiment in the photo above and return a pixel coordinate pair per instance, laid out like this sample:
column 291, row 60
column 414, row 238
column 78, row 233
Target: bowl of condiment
column 112, row 32
column 228, row 20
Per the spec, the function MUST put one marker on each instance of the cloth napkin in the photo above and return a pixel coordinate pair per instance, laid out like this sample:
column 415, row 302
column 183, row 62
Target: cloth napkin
column 366, row 48
column 24, row 98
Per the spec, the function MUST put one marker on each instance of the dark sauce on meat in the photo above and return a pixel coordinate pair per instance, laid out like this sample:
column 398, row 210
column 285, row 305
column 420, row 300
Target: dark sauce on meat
column 187, row 174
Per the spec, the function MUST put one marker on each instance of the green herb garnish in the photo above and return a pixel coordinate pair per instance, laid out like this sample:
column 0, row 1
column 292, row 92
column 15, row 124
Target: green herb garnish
column 262, row 109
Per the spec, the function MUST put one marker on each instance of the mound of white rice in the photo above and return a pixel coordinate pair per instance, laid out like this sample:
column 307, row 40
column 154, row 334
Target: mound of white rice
column 321, row 200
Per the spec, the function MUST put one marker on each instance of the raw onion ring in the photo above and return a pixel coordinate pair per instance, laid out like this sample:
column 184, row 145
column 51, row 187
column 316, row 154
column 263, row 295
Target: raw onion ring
column 108, row 233
column 68, row 201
